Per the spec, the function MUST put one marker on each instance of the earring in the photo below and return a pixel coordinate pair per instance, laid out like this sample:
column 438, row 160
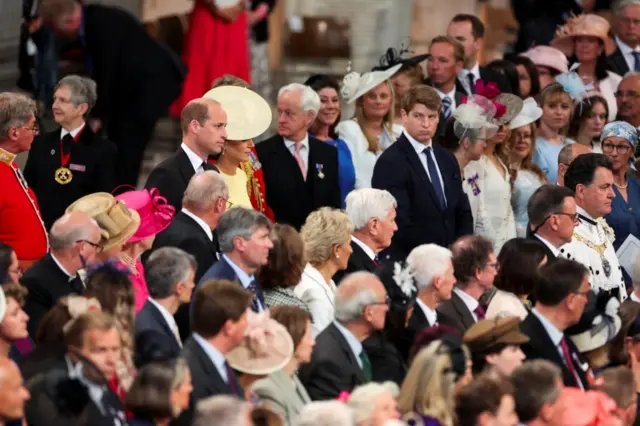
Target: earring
column 337, row 256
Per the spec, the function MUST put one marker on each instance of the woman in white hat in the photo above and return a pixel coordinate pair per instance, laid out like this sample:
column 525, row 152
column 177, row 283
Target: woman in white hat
column 526, row 176
column 372, row 129
column 248, row 116
column 585, row 40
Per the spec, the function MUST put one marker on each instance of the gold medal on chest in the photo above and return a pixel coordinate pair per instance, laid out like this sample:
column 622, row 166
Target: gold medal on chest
column 63, row 175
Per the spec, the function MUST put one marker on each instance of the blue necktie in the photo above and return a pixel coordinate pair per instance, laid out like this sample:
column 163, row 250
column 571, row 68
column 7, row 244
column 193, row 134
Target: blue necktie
column 636, row 61
column 446, row 108
column 435, row 177
column 255, row 303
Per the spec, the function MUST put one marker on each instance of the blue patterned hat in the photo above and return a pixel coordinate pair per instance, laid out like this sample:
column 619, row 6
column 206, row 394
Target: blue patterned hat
column 621, row 129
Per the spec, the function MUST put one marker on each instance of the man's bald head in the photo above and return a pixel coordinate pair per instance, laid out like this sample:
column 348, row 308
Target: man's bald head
column 357, row 291
column 13, row 394
column 628, row 99
column 72, row 228
column 204, row 190
column 567, row 154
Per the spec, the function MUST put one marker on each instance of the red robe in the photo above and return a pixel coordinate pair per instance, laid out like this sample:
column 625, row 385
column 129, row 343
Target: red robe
column 21, row 225
column 255, row 184
column 213, row 47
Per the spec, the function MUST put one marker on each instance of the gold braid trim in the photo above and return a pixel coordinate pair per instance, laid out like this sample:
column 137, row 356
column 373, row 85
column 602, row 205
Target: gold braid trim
column 253, row 186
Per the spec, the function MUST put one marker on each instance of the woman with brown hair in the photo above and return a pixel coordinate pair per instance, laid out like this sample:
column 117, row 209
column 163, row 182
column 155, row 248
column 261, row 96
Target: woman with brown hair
column 284, row 267
column 588, row 121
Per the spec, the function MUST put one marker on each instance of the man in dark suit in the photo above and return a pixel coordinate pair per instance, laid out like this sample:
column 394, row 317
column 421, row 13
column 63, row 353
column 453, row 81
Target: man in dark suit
column 219, row 325
column 169, row 273
column 203, row 124
column 300, row 172
column 424, row 178
column 75, row 241
column 552, row 217
column 72, row 161
column 469, row 31
column 138, row 77
column 627, row 56
column 443, row 66
column 475, row 266
column 561, row 295
column 244, row 236
column 373, row 214
column 338, row 362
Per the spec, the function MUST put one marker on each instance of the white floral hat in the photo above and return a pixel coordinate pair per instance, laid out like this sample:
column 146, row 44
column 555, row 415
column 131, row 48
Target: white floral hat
column 355, row 85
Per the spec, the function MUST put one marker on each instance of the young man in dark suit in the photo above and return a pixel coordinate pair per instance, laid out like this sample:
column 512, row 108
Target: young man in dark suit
column 561, row 295
column 138, row 77
column 219, row 325
column 424, row 178
column 75, row 242
column 203, row 124
column 469, row 31
column 373, row 214
column 300, row 172
column 339, row 362
column 169, row 274
column 72, row 161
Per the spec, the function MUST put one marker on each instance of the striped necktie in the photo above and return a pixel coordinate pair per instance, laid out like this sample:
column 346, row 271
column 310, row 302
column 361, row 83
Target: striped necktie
column 446, row 108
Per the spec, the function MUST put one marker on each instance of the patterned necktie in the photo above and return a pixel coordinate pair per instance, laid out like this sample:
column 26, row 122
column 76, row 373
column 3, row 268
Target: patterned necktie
column 480, row 312
column 435, row 177
column 366, row 366
column 298, row 156
column 636, row 61
column 567, row 359
column 446, row 108
column 472, row 83
column 255, row 305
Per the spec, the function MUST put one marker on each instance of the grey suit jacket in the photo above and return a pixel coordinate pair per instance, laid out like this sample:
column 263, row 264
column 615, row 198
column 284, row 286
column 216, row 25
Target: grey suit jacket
column 278, row 392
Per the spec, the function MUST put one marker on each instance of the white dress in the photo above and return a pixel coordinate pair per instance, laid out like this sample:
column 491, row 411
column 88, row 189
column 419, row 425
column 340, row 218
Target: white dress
column 495, row 190
column 363, row 159
column 607, row 88
column 319, row 297
column 471, row 187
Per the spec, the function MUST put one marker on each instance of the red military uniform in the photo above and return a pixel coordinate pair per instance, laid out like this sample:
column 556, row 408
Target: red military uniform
column 21, row 225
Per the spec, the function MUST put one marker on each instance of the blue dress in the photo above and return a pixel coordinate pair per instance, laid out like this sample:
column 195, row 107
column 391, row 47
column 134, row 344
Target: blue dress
column 346, row 170
column 546, row 157
column 625, row 215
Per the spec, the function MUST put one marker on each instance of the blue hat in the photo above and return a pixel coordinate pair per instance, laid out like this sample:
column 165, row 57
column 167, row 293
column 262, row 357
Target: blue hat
column 621, row 129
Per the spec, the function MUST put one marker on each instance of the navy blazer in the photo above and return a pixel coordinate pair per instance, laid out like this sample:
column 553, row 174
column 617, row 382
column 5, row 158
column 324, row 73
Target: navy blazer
column 154, row 338
column 221, row 270
column 420, row 218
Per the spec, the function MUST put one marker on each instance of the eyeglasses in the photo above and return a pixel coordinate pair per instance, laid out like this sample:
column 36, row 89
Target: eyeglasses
column 98, row 247
column 631, row 94
column 387, row 301
column 609, row 148
column 34, row 129
column 229, row 204
column 572, row 216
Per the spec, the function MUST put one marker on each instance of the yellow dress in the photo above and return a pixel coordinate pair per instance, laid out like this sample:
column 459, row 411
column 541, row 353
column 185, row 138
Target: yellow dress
column 238, row 195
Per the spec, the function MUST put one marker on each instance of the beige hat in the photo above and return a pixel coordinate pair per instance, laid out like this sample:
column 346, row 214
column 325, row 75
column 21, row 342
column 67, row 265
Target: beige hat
column 513, row 105
column 355, row 85
column 248, row 114
column 117, row 223
column 583, row 25
column 488, row 333
column 266, row 348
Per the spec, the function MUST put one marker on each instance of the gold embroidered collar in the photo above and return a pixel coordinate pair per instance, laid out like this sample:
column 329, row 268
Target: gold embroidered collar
column 6, row 157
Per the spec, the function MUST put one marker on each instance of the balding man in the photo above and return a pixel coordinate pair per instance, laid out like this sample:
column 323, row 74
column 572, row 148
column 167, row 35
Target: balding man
column 628, row 99
column 567, row 154
column 75, row 242
column 193, row 228
column 203, row 124
column 13, row 393
column 339, row 362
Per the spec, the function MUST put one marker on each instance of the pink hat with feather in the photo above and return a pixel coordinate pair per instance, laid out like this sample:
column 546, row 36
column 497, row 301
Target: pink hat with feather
column 154, row 211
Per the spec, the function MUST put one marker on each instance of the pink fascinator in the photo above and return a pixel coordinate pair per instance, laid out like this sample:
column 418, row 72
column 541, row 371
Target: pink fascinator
column 154, row 211
column 267, row 346
column 590, row 408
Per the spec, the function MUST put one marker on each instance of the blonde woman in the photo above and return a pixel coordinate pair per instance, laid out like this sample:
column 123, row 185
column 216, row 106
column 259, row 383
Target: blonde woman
column 372, row 129
column 437, row 371
column 327, row 237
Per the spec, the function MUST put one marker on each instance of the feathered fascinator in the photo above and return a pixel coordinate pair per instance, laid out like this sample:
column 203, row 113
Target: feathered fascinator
column 355, row 85
column 476, row 113
column 403, row 277
column 507, row 106
column 393, row 57
column 572, row 83
column 110, row 267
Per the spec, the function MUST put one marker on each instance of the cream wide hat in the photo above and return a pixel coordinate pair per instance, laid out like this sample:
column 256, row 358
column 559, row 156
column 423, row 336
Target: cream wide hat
column 355, row 85
column 248, row 114
column 583, row 25
column 530, row 112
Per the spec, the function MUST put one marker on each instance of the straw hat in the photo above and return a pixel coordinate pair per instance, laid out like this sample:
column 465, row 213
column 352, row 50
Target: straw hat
column 155, row 214
column 488, row 333
column 513, row 105
column 355, row 85
column 530, row 113
column 266, row 348
column 117, row 223
column 248, row 114
column 583, row 25
column 547, row 56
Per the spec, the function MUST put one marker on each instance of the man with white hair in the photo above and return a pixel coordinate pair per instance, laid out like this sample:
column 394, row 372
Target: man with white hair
column 433, row 275
column 300, row 171
column 373, row 214
column 223, row 410
column 626, row 28
column 326, row 413
column 75, row 242
column 339, row 362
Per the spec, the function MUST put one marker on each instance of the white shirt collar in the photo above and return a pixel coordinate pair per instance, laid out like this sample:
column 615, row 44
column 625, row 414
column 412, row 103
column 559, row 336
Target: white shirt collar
column 200, row 222
column 431, row 315
column 216, row 357
column 71, row 277
column 245, row 279
column 469, row 301
column 451, row 95
column 551, row 247
column 364, row 247
column 165, row 314
column 475, row 70
column 290, row 144
column 354, row 343
column 196, row 161
column 555, row 335
column 625, row 49
column 418, row 146
column 74, row 132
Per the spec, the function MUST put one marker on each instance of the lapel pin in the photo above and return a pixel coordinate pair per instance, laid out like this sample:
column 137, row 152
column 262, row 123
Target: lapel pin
column 319, row 168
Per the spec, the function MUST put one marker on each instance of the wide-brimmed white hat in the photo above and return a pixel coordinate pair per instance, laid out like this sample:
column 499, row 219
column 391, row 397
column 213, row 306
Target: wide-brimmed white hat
column 530, row 113
column 355, row 85
column 248, row 114
column 598, row 325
